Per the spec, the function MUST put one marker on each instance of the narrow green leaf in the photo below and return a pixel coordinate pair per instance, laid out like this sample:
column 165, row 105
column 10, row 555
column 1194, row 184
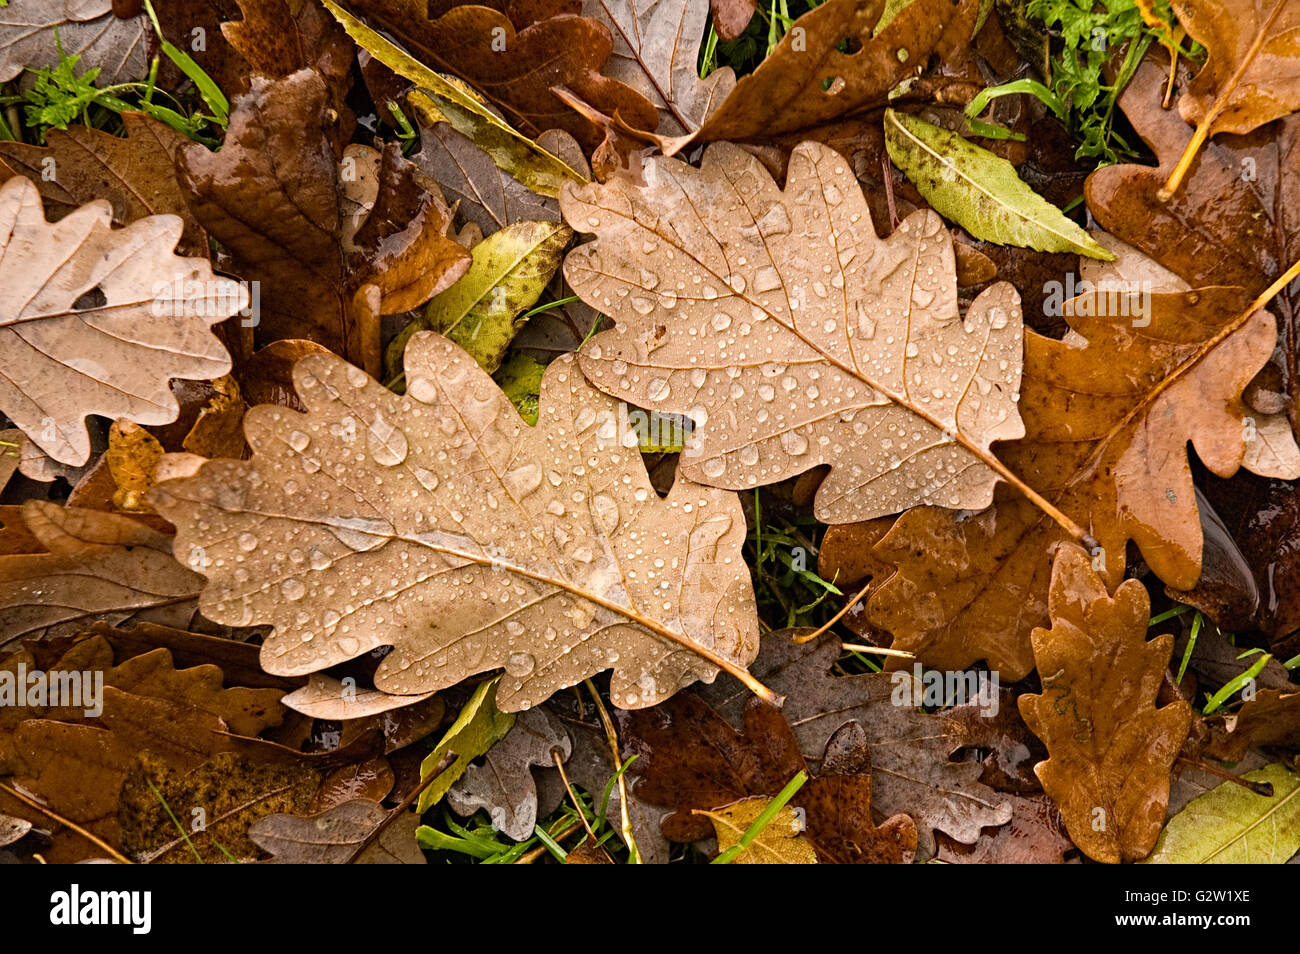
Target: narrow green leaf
column 1230, row 824
column 979, row 191
column 479, row 726
column 446, row 99
column 511, row 269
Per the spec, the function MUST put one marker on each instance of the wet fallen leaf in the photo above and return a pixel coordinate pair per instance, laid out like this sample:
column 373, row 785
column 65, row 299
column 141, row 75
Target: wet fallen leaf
column 99, row 319
column 327, row 698
column 1034, row 836
column 95, row 563
column 451, row 101
column 1110, row 750
column 1232, row 825
column 655, row 53
column 779, row 843
column 488, row 196
column 1108, row 413
column 691, row 760
column 809, row 334
column 484, row 48
column 478, row 727
column 1249, row 76
column 980, row 191
column 135, row 173
column 273, row 195
column 523, row 598
column 1271, row 718
column 86, row 28
column 332, row 837
column 481, row 311
column 503, row 784
column 807, row 80
column 909, row 749
column 216, row 802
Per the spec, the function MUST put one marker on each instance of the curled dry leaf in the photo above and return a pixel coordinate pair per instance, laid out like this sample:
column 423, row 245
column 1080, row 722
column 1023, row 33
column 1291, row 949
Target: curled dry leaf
column 503, row 784
column 515, row 69
column 793, row 336
column 97, row 320
column 1108, row 412
column 438, row 522
column 1110, row 750
column 274, row 196
column 95, row 563
column 85, row 28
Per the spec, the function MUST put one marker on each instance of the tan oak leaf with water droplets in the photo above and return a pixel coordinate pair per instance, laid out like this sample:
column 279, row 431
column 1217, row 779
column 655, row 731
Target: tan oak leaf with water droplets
column 440, row 523
column 95, row 320
column 793, row 336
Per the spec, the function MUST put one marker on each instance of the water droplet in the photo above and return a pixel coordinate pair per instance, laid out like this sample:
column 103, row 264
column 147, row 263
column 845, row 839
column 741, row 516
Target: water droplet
column 293, row 589
column 520, row 664
column 299, row 440
column 388, row 444
column 523, row 480
column 247, row 541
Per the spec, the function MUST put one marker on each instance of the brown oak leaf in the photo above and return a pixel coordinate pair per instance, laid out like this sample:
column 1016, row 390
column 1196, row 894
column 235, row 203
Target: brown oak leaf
column 910, row 749
column 95, row 563
column 274, row 196
column 792, row 336
column 439, row 522
column 136, row 173
column 1110, row 750
column 656, row 48
column 1108, row 413
column 690, row 759
column 98, row 320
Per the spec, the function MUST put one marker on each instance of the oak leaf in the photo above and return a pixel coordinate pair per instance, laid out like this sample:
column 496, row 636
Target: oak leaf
column 793, row 336
column 85, row 28
column 808, row 80
column 656, row 47
column 691, row 760
column 333, row 836
column 136, row 173
column 503, row 784
column 273, row 195
column 1250, row 76
column 438, row 522
column 1110, row 750
column 909, row 748
column 95, row 563
column 98, row 320
column 1108, row 413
